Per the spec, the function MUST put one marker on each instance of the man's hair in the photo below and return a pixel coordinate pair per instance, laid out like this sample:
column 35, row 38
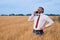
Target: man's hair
column 42, row 9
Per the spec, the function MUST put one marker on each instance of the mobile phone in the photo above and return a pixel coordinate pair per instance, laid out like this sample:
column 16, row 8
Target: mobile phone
column 36, row 11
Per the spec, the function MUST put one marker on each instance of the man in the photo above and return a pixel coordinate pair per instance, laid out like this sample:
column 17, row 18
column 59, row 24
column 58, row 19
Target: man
column 40, row 20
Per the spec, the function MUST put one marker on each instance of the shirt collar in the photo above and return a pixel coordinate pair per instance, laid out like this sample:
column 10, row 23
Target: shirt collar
column 41, row 14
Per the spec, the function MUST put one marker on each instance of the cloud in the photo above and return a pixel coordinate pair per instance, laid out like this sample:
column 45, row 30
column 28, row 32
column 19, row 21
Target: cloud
column 28, row 6
column 7, row 1
column 51, row 6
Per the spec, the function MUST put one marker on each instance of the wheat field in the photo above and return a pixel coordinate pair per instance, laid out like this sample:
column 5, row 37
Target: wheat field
column 18, row 28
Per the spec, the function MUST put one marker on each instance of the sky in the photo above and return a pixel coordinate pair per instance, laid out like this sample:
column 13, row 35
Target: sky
column 29, row 6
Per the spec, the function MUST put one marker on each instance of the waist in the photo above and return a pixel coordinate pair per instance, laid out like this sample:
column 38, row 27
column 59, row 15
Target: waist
column 38, row 28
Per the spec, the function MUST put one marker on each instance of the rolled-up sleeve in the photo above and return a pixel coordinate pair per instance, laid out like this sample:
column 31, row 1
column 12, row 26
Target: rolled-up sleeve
column 31, row 18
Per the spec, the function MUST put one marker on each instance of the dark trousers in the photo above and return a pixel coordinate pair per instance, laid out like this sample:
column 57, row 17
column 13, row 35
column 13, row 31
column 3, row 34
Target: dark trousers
column 38, row 32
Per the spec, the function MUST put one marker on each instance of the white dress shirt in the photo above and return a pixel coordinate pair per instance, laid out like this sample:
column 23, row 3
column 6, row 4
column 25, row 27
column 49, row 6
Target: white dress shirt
column 42, row 20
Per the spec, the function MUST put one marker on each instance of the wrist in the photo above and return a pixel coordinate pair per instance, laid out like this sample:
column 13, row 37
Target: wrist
column 43, row 28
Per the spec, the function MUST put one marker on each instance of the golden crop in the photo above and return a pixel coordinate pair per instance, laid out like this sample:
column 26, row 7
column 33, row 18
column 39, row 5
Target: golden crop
column 18, row 28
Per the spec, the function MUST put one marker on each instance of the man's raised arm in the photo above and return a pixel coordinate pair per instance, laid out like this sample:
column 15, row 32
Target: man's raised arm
column 31, row 18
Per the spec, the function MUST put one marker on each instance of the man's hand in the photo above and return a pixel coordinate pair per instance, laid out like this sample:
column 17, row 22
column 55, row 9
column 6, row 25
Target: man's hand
column 34, row 13
column 43, row 28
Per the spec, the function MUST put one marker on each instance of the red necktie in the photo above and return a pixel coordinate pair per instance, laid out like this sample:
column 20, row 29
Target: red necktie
column 37, row 21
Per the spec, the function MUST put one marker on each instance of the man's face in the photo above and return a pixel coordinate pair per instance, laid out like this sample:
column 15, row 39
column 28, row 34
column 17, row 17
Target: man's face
column 40, row 10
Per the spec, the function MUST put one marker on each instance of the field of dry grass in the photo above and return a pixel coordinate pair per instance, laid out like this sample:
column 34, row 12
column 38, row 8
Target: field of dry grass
column 18, row 28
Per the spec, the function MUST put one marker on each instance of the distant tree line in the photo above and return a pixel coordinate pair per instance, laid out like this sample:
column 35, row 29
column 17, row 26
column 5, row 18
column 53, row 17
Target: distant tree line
column 26, row 14
column 52, row 14
column 15, row 15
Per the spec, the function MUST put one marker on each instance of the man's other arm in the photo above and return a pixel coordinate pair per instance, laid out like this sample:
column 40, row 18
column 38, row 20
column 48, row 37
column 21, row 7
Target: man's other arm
column 49, row 20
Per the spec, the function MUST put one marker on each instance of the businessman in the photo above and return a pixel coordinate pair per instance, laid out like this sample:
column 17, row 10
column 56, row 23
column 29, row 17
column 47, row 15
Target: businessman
column 40, row 20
